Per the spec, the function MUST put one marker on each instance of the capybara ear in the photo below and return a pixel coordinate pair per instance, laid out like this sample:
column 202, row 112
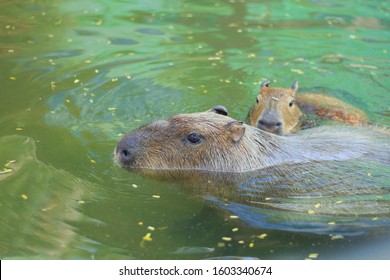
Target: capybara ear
column 236, row 130
column 219, row 109
column 294, row 87
column 265, row 84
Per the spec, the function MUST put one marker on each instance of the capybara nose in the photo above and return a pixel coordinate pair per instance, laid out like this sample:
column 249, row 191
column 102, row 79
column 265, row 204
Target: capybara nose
column 124, row 154
column 270, row 126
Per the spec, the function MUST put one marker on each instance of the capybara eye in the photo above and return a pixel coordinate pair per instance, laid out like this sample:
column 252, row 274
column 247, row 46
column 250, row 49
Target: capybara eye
column 291, row 103
column 257, row 100
column 194, row 138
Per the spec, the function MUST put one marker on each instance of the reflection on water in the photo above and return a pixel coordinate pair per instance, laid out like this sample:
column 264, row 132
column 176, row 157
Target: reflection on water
column 77, row 74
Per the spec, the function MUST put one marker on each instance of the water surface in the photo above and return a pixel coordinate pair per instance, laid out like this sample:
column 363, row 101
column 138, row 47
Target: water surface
column 76, row 75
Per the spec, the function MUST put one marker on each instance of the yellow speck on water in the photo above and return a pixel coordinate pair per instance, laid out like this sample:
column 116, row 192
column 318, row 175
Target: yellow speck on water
column 262, row 236
column 128, row 76
column 76, row 81
column 331, row 223
column 147, row 237
column 368, row 174
column 221, row 245
column 241, row 242
column 9, row 163
column 19, row 129
column 24, row 196
column 53, row 85
column 151, row 228
column 251, row 245
column 298, row 71
column 233, row 217
column 134, row 186
column 155, row 196
column 93, row 161
column 339, row 201
column 379, row 196
column 271, row 58
column 268, row 199
column 313, row 256
column 375, row 219
column 227, row 81
column 67, row 101
column 317, row 205
column 311, row 212
column 6, row 170
column 99, row 22
column 234, row 229
column 81, row 201
column 226, row 238
column 114, row 79
column 337, row 236
column 140, row 223
column 251, row 55
column 96, row 71
column 12, row 78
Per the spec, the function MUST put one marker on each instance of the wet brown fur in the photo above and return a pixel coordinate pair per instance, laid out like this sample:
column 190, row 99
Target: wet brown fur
column 231, row 146
column 279, row 99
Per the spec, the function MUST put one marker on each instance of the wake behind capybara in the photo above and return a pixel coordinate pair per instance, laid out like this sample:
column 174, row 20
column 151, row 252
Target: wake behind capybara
column 278, row 110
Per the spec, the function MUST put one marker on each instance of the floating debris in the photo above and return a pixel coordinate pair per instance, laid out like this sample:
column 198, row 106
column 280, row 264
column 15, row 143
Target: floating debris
column 262, row 236
column 147, row 237
column 313, row 256
column 233, row 217
column 151, row 228
column 298, row 71
column 226, row 238
column 155, row 196
column 24, row 196
column 134, row 186
column 6, row 170
column 337, row 236
column 234, row 229
column 10, row 162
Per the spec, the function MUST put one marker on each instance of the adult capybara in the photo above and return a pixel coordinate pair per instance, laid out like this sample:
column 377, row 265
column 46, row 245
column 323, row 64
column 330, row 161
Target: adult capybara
column 277, row 110
column 212, row 141
column 325, row 180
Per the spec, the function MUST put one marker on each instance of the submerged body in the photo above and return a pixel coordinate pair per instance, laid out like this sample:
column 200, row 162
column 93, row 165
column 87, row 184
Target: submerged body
column 326, row 180
column 277, row 110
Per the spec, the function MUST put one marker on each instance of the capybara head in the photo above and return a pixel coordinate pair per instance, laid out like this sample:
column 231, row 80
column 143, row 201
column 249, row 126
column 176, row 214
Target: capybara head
column 208, row 141
column 275, row 110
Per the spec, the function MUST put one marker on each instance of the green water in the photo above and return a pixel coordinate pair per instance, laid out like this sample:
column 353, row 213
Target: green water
column 75, row 75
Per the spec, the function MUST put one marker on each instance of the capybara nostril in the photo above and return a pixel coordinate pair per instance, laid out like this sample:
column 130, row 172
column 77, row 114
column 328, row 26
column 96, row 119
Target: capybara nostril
column 125, row 154
column 278, row 124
